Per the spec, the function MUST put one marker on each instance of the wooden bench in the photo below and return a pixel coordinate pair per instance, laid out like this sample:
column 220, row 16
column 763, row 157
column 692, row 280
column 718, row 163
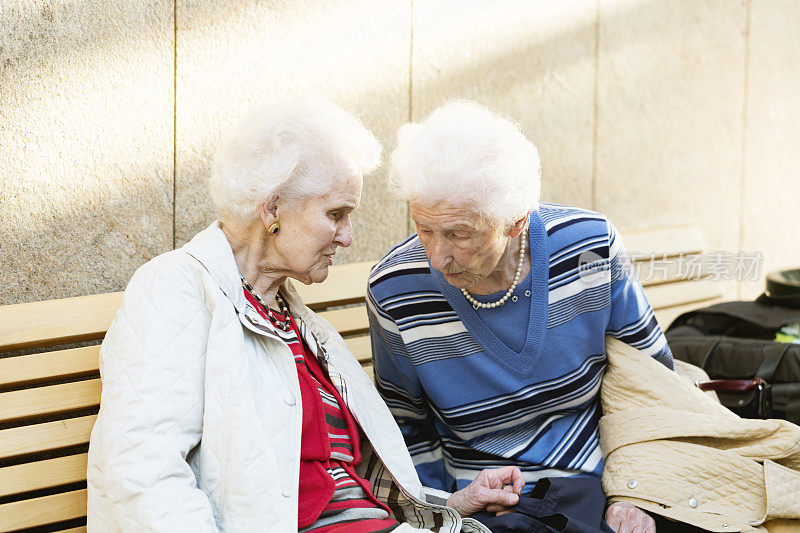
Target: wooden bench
column 49, row 399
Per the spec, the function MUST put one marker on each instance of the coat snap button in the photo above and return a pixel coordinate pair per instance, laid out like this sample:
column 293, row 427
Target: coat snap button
column 693, row 503
column 632, row 484
column 286, row 492
column 289, row 399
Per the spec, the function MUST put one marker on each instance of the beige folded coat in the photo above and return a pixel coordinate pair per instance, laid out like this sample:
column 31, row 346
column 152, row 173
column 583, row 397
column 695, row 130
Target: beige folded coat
column 673, row 450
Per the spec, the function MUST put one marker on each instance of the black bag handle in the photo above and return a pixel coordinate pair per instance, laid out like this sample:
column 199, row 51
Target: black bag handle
column 793, row 406
column 771, row 364
column 704, row 364
column 765, row 371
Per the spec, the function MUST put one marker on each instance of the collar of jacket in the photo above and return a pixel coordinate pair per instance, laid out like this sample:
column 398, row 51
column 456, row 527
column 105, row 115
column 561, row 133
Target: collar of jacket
column 211, row 248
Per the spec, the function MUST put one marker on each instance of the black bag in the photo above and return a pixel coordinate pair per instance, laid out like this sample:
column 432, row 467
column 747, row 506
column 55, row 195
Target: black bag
column 733, row 341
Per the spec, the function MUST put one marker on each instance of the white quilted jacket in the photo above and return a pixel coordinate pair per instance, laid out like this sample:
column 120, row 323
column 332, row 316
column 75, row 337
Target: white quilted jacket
column 200, row 415
column 674, row 450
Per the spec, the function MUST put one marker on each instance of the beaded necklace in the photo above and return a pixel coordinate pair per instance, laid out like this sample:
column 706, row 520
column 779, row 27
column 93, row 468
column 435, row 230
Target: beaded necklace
column 488, row 305
column 283, row 324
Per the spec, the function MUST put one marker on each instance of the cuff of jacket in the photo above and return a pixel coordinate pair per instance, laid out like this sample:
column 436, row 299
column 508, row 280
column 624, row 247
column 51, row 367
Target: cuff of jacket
column 435, row 496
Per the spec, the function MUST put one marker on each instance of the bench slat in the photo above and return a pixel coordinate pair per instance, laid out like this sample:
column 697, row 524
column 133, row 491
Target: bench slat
column 36, row 368
column 44, row 437
column 349, row 321
column 681, row 293
column 51, row 400
column 78, row 319
column 44, row 510
column 75, row 362
column 88, row 317
column 368, row 368
column 361, row 347
column 42, row 474
column 670, row 241
column 345, row 284
column 671, row 269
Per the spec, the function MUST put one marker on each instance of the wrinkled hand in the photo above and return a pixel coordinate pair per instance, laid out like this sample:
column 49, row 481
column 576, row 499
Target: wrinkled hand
column 494, row 489
column 625, row 518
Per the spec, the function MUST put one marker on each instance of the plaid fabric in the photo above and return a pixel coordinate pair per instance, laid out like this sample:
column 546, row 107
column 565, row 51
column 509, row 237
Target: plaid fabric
column 405, row 508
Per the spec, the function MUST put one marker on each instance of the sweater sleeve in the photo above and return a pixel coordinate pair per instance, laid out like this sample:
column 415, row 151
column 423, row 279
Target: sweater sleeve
column 631, row 317
column 399, row 386
column 152, row 364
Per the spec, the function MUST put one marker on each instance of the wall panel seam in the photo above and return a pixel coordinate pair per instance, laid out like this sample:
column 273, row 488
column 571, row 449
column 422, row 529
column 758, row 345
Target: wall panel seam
column 743, row 154
column 595, row 107
column 174, row 119
column 409, row 225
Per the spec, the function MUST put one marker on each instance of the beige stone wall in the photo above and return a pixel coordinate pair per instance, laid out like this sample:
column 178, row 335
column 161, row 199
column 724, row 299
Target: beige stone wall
column 655, row 113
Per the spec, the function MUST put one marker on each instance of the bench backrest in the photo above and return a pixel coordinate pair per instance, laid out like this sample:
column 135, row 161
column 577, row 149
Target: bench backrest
column 49, row 399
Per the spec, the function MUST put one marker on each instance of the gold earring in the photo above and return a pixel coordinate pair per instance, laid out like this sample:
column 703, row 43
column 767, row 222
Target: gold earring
column 274, row 228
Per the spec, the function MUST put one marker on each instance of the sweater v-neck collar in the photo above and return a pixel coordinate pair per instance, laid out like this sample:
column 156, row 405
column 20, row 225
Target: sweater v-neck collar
column 535, row 336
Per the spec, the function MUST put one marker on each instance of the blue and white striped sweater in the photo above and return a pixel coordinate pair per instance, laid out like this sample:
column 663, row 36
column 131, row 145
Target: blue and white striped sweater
column 464, row 400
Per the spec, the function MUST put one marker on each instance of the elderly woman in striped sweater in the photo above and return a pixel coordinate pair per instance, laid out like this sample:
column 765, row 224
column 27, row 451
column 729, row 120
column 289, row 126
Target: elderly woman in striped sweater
column 488, row 324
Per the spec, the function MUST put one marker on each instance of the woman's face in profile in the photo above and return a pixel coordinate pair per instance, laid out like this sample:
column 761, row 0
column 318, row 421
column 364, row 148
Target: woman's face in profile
column 458, row 243
column 312, row 231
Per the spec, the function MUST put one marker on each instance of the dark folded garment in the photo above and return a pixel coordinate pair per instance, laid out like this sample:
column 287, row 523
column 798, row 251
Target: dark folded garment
column 565, row 505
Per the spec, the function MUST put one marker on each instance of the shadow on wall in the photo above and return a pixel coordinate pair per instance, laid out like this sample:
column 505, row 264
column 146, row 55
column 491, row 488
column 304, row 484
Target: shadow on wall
column 94, row 246
column 89, row 250
column 69, row 27
column 36, row 35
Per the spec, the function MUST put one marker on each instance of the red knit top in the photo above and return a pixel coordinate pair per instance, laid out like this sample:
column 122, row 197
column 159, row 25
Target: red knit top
column 332, row 497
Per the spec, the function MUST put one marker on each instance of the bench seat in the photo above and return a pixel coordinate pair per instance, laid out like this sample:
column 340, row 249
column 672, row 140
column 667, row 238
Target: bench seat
column 49, row 398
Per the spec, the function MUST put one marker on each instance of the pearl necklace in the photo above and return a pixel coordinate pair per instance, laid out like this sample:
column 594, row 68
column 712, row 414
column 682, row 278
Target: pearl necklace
column 488, row 305
column 283, row 324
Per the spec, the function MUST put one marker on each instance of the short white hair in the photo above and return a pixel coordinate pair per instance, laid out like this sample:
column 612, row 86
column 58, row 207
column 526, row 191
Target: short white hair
column 465, row 155
column 289, row 149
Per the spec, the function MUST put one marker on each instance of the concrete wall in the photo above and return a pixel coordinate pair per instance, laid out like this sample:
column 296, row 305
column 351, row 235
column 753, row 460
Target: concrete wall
column 655, row 113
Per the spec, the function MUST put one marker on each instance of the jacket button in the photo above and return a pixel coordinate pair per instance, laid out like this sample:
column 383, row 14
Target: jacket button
column 632, row 484
column 693, row 503
column 289, row 399
column 286, row 492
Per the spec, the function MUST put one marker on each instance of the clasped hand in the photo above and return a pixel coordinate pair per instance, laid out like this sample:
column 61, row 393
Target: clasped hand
column 495, row 490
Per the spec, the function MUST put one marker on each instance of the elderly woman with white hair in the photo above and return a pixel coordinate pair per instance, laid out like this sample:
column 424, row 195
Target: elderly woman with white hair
column 489, row 324
column 227, row 404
